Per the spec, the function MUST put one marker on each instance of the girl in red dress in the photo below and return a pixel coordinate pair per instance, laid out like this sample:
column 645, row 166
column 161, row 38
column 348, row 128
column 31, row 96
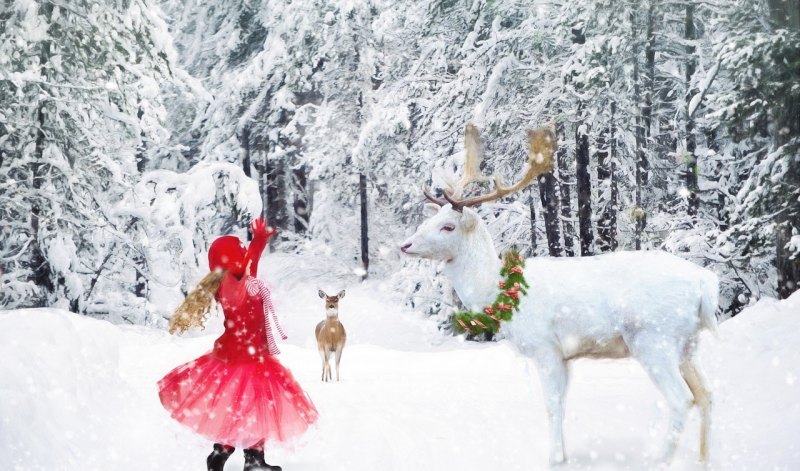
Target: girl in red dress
column 238, row 394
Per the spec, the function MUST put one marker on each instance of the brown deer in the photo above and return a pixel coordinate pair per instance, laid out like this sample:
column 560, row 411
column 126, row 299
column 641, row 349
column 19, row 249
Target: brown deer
column 330, row 334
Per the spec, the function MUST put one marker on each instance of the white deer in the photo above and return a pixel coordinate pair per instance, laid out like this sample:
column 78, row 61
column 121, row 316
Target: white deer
column 650, row 305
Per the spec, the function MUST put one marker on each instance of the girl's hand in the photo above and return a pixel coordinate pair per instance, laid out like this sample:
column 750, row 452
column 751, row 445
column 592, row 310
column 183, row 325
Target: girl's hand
column 261, row 235
column 258, row 226
column 261, row 229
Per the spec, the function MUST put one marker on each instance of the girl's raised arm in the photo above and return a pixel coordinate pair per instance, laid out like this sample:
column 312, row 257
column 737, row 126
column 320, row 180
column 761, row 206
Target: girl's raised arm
column 261, row 235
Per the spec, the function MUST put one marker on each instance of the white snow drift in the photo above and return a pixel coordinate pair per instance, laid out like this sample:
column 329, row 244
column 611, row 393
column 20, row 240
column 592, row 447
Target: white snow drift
column 80, row 394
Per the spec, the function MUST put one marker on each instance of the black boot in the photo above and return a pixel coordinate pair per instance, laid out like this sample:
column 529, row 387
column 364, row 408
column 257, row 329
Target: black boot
column 216, row 460
column 254, row 461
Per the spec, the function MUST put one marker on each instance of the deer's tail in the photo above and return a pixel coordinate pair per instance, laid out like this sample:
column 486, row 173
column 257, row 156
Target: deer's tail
column 709, row 299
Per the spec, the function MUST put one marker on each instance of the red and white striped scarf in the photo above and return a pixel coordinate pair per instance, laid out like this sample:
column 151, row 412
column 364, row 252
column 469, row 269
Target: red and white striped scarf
column 256, row 286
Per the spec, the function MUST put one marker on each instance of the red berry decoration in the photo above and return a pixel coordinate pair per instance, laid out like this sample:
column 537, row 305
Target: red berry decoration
column 469, row 321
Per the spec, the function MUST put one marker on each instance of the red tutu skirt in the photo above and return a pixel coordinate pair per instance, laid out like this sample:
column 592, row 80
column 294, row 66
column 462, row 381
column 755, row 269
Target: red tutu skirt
column 237, row 404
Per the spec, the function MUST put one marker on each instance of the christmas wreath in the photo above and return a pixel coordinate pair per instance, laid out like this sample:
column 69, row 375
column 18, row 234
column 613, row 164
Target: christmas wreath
column 512, row 286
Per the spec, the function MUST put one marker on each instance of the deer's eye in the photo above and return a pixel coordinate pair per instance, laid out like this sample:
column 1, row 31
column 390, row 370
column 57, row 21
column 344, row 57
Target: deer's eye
column 448, row 227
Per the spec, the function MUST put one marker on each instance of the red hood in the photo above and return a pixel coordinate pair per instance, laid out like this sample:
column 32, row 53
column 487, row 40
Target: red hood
column 227, row 253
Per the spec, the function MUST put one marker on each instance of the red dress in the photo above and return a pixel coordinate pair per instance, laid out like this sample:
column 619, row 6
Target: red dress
column 239, row 394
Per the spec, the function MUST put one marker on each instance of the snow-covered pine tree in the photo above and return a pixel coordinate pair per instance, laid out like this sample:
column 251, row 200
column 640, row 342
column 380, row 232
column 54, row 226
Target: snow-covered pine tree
column 759, row 112
column 307, row 96
column 81, row 105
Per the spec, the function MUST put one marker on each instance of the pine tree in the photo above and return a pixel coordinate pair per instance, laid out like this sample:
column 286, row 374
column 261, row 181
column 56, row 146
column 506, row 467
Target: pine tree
column 79, row 82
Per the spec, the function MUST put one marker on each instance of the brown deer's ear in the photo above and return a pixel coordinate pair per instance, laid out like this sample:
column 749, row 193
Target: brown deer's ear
column 340, row 295
column 321, row 294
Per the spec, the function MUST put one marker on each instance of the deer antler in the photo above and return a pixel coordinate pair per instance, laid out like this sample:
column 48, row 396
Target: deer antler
column 432, row 198
column 472, row 166
column 472, row 160
column 541, row 145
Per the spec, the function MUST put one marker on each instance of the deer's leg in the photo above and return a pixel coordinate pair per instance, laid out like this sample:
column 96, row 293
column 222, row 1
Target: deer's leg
column 660, row 358
column 324, row 357
column 554, row 376
column 338, row 358
column 327, row 365
column 693, row 374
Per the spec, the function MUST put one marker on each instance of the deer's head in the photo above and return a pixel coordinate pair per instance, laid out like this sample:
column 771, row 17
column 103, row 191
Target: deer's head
column 331, row 303
column 452, row 224
column 441, row 235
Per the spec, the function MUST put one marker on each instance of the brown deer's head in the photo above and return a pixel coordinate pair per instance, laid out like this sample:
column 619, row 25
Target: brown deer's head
column 331, row 303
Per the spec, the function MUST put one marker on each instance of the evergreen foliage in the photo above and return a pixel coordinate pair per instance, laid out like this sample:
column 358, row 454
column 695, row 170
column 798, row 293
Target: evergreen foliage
column 688, row 110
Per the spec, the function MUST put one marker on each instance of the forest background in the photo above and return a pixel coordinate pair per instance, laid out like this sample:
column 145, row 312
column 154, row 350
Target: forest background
column 133, row 132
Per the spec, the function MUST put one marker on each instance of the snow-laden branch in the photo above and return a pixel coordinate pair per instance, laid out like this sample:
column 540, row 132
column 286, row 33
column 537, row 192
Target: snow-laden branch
column 698, row 97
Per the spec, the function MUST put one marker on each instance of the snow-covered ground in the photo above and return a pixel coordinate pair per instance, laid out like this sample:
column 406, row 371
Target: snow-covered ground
column 80, row 394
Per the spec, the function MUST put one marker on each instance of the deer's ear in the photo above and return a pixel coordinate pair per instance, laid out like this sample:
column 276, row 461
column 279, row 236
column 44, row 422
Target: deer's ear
column 431, row 209
column 321, row 294
column 340, row 295
column 469, row 219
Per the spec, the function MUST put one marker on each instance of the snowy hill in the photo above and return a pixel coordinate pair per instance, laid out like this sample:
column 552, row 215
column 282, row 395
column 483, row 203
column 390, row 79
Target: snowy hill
column 80, row 394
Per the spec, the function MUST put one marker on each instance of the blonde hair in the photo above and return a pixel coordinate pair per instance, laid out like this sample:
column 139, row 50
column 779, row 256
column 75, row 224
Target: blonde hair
column 193, row 311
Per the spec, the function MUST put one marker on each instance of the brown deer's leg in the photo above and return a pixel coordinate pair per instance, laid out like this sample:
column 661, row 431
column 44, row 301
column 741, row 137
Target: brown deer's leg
column 328, row 374
column 338, row 358
column 324, row 361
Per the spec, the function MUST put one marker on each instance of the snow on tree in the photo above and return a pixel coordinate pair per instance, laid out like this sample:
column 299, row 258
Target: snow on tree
column 81, row 87
column 677, row 127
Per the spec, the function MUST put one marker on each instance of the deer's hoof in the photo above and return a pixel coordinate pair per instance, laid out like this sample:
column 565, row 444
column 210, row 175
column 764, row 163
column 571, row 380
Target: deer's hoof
column 557, row 457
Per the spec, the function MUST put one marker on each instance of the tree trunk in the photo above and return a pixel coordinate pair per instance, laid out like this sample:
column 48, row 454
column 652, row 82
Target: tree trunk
column 786, row 123
column 691, row 143
column 245, row 143
column 603, row 186
column 788, row 268
column 276, row 195
column 723, row 216
column 74, row 303
column 139, row 262
column 584, row 188
column 547, row 193
column 638, row 214
column 40, row 269
column 263, row 181
column 649, row 79
column 566, row 207
column 614, row 202
column 41, row 275
column 301, row 214
column 140, row 288
column 3, row 134
column 607, row 187
column 362, row 191
column 141, row 157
